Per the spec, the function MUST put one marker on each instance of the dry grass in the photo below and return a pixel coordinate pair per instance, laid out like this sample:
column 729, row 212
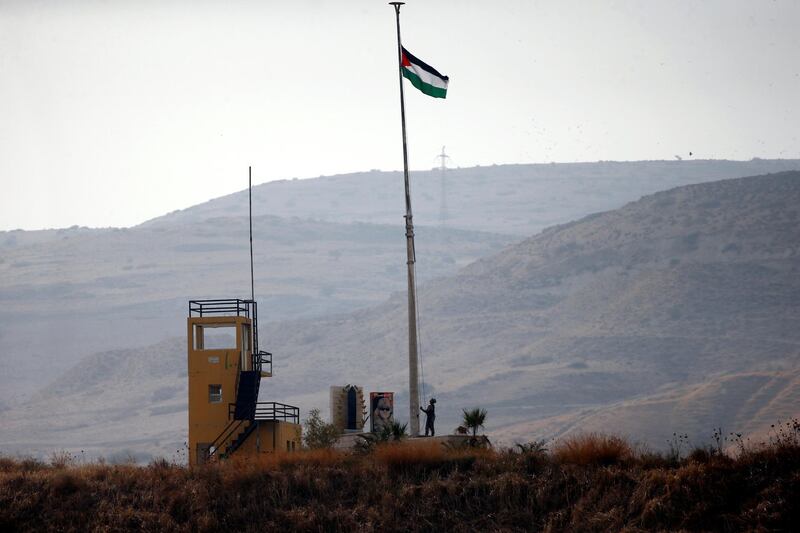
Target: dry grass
column 592, row 449
column 322, row 457
column 588, row 483
column 399, row 454
column 421, row 460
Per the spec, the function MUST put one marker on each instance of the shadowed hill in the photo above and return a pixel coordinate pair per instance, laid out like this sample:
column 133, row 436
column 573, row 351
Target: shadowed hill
column 321, row 248
column 674, row 313
column 681, row 287
column 85, row 291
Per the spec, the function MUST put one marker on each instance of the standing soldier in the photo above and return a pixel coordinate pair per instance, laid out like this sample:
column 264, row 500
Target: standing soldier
column 430, row 416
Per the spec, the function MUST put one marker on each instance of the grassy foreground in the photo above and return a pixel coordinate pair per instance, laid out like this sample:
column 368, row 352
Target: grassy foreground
column 587, row 483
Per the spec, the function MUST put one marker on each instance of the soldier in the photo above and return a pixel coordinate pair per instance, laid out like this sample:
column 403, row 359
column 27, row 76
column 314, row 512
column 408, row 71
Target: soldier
column 430, row 416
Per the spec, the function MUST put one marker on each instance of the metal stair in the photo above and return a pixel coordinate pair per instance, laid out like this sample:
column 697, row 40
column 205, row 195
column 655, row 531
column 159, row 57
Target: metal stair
column 247, row 395
column 240, row 439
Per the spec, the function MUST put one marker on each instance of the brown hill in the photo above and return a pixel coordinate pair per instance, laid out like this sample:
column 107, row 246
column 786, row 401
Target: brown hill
column 674, row 313
column 321, row 248
column 750, row 404
column 678, row 289
column 82, row 291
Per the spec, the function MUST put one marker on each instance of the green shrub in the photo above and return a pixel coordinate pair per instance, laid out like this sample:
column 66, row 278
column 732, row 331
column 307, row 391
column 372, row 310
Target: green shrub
column 318, row 433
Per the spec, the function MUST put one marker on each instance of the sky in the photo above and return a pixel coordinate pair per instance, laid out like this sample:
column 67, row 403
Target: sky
column 115, row 112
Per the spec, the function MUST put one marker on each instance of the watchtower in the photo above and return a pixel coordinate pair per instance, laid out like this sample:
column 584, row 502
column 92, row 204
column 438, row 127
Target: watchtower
column 225, row 372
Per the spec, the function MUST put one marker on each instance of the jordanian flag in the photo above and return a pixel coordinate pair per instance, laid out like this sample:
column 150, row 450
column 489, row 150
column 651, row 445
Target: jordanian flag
column 424, row 77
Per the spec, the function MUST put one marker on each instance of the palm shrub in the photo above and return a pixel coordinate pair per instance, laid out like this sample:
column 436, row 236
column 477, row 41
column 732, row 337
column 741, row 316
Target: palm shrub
column 392, row 432
column 397, row 431
column 474, row 419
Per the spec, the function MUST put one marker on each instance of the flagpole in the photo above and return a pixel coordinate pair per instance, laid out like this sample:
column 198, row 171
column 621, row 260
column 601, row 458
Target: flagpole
column 413, row 357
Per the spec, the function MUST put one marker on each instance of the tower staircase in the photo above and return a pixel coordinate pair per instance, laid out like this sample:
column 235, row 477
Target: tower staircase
column 247, row 412
column 247, row 395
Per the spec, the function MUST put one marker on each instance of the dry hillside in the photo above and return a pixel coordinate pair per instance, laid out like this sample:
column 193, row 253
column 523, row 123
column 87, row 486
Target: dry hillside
column 674, row 313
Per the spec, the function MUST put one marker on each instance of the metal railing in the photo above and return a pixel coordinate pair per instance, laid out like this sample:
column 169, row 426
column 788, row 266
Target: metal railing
column 262, row 362
column 230, row 430
column 272, row 411
column 277, row 411
column 228, row 307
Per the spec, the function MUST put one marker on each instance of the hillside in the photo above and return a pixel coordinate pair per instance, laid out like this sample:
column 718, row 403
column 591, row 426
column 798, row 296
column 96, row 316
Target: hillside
column 112, row 404
column 92, row 290
column 677, row 289
column 676, row 312
column 327, row 245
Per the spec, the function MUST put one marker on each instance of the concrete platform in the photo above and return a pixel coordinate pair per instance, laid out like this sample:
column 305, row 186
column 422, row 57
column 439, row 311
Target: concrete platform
column 348, row 441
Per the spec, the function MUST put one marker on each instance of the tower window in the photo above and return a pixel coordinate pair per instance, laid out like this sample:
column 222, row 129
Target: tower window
column 215, row 336
column 214, row 393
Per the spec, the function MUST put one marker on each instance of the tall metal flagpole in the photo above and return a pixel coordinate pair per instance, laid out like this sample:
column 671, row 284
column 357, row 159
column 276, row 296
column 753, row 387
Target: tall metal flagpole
column 413, row 357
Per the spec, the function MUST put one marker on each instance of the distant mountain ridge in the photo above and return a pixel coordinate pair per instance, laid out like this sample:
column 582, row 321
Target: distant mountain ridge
column 676, row 312
column 510, row 199
column 326, row 245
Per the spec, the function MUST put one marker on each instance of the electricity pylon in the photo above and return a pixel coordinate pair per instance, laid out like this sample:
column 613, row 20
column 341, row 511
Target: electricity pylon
column 443, row 157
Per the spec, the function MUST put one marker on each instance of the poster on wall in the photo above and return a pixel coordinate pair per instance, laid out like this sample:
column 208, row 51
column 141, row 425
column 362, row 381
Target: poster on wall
column 381, row 410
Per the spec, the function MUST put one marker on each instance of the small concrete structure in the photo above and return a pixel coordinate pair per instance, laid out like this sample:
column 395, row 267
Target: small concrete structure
column 348, row 441
column 348, row 409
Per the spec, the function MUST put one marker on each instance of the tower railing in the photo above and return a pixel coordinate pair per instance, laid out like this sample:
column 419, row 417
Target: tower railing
column 271, row 411
column 262, row 362
column 277, row 411
column 228, row 307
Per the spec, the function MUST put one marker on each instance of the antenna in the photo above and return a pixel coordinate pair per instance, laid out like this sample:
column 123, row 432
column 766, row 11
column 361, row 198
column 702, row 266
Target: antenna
column 250, row 202
column 443, row 157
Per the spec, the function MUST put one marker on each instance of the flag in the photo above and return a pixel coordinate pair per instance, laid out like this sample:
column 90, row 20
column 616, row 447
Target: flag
column 424, row 77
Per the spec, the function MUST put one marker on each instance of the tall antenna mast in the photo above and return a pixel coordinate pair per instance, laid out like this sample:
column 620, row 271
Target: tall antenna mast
column 413, row 356
column 250, row 202
column 443, row 157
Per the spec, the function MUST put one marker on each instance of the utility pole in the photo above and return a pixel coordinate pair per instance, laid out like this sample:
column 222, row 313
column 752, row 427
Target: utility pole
column 250, row 206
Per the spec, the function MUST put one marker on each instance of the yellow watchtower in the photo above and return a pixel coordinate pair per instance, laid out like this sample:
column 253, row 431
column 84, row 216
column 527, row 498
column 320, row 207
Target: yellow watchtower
column 225, row 371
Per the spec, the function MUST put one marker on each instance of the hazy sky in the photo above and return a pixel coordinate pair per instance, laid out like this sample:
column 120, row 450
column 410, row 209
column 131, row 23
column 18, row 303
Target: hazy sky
column 114, row 112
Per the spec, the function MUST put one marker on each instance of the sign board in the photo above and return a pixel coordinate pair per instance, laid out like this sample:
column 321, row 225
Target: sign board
column 381, row 410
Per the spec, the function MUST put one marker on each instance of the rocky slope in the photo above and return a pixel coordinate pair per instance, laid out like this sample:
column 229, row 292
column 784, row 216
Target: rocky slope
column 673, row 313
column 679, row 288
column 87, row 291
column 320, row 248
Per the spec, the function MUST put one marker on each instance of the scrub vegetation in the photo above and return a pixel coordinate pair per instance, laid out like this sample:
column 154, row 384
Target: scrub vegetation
column 586, row 482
